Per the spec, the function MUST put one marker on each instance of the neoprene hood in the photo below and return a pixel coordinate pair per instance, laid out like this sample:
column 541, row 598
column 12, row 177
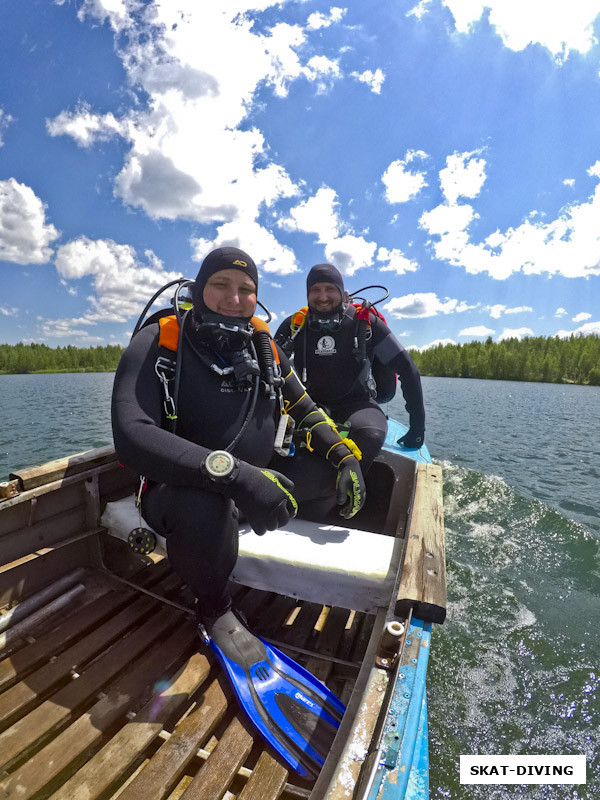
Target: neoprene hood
column 325, row 273
column 216, row 261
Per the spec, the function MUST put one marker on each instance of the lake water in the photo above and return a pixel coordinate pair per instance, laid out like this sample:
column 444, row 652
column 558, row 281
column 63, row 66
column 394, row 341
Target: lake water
column 515, row 669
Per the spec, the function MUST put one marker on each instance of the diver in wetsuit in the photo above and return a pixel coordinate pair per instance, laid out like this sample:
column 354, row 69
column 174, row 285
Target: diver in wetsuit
column 324, row 355
column 194, row 494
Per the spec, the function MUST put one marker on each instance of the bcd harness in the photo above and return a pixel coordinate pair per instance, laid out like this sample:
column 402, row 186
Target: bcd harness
column 244, row 367
column 270, row 373
column 377, row 378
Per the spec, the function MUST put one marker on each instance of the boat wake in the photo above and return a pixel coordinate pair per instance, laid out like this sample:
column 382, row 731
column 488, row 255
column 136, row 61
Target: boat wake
column 515, row 667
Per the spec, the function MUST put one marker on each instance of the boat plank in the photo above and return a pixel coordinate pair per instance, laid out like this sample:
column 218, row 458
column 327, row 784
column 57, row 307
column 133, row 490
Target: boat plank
column 222, row 765
column 271, row 623
column 166, row 767
column 58, row 760
column 32, row 477
column 328, row 642
column 116, row 759
column 267, row 781
column 53, row 644
column 423, row 583
column 303, row 626
column 32, row 689
column 53, row 713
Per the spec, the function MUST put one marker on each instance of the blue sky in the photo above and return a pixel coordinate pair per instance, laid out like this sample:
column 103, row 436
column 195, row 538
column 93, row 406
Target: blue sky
column 448, row 150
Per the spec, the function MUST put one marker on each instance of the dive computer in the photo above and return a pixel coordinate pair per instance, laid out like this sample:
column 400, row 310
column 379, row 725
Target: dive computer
column 220, row 466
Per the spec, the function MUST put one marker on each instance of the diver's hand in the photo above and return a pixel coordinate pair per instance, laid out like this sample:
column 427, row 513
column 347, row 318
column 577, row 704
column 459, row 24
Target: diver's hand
column 264, row 497
column 413, row 439
column 351, row 492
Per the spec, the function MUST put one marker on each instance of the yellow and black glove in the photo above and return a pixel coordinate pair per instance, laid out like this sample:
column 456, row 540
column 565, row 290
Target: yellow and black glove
column 263, row 496
column 350, row 491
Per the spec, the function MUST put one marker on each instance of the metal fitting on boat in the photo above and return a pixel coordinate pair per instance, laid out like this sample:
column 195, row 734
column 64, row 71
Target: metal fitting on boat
column 390, row 645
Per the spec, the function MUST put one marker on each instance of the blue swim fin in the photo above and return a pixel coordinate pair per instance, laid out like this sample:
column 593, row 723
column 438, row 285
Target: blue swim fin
column 293, row 710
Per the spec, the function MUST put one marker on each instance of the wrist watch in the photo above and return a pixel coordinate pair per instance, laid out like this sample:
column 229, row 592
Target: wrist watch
column 220, row 466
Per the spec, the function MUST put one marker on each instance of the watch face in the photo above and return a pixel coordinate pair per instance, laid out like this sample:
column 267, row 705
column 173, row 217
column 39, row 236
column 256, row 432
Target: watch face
column 219, row 463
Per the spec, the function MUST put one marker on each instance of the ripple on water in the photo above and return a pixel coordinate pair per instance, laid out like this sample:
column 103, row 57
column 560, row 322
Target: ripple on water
column 514, row 668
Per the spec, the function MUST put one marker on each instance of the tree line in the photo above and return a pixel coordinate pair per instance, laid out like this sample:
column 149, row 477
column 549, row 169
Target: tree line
column 550, row 360
column 16, row 359
column 535, row 358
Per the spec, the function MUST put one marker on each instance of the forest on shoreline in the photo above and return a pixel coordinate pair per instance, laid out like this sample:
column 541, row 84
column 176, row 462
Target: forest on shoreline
column 535, row 358
column 22, row 359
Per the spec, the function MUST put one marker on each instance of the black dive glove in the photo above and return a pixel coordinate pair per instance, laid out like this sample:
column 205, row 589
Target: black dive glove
column 263, row 496
column 350, row 493
column 413, row 439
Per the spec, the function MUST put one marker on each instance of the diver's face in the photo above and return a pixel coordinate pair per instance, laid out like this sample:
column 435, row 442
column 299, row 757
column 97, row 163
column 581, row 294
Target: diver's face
column 324, row 297
column 231, row 293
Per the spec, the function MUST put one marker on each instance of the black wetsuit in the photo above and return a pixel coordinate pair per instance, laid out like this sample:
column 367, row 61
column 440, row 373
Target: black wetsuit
column 337, row 381
column 181, row 503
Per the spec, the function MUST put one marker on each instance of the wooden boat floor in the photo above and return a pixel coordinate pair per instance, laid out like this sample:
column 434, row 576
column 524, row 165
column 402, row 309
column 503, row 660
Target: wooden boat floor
column 119, row 698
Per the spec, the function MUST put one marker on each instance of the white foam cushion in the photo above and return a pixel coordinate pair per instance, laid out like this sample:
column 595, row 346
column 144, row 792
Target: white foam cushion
column 325, row 564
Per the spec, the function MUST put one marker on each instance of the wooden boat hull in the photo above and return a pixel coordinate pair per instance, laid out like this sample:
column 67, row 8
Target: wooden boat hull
column 105, row 691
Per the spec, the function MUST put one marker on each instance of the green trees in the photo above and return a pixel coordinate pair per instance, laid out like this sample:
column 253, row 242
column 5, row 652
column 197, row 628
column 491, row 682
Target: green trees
column 535, row 358
column 22, row 358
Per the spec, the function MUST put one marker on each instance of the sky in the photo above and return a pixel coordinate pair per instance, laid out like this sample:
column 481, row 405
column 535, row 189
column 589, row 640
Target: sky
column 448, row 150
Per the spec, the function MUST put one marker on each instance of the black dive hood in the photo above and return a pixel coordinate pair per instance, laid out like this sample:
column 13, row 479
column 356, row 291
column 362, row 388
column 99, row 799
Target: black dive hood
column 329, row 320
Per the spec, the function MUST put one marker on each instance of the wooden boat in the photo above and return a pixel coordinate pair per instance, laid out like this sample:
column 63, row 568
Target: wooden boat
column 106, row 692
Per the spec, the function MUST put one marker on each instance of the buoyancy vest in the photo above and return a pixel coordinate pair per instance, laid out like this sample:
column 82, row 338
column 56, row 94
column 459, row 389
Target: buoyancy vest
column 166, row 364
column 382, row 382
column 169, row 333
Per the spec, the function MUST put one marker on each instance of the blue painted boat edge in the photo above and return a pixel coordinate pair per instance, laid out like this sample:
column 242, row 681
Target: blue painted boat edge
column 403, row 769
column 394, row 432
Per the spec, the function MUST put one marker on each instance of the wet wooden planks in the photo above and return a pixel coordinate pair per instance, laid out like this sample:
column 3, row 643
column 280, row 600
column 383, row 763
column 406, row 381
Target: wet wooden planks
column 120, row 700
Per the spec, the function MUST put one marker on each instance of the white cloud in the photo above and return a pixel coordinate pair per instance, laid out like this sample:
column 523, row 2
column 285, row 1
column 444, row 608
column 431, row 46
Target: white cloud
column 268, row 254
column 568, row 245
column 584, row 330
column 569, row 182
column 560, row 27
column 84, row 126
column 319, row 214
column 25, row 236
column 123, row 283
column 397, row 261
column 514, row 333
column 71, row 329
column 420, row 10
column 188, row 157
column 463, row 176
column 497, row 310
column 560, row 312
column 5, row 120
column 323, row 71
column 318, row 20
column 8, row 312
column 581, row 317
column 435, row 343
column 425, row 304
column 350, row 253
column 372, row 79
column 478, row 330
column 402, row 184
